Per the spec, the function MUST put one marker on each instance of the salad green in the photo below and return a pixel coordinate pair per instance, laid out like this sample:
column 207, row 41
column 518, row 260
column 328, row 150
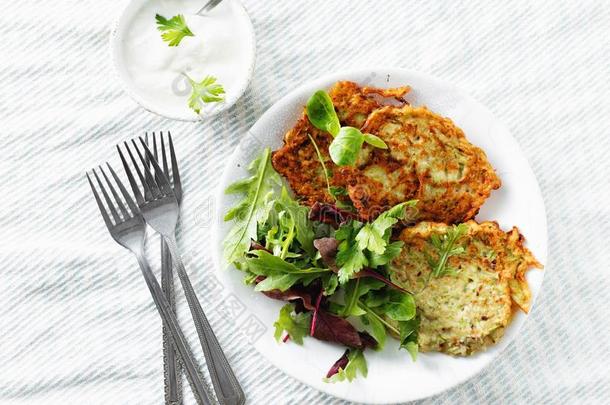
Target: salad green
column 330, row 267
column 347, row 142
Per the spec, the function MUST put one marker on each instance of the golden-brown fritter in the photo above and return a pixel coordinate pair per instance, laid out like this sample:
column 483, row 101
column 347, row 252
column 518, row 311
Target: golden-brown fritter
column 297, row 160
column 465, row 312
column 428, row 159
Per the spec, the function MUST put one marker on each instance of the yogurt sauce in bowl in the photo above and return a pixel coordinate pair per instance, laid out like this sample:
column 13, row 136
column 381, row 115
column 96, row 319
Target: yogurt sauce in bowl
column 153, row 72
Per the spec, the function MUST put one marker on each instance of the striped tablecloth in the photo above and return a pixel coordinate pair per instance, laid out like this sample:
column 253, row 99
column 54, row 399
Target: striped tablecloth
column 77, row 325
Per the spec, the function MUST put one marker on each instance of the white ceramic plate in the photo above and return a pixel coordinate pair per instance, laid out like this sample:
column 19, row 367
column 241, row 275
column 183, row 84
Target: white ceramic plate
column 392, row 377
column 203, row 60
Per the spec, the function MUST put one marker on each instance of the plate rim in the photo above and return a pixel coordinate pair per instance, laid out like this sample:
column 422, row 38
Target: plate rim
column 219, row 265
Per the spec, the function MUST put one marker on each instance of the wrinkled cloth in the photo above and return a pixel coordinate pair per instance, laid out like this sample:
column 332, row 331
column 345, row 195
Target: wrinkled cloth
column 77, row 325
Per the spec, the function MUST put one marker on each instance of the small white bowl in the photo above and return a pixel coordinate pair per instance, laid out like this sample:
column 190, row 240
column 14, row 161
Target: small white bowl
column 149, row 101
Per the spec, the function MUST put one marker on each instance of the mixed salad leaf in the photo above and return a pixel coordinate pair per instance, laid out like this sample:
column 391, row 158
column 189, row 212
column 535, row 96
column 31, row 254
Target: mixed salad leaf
column 330, row 267
column 347, row 142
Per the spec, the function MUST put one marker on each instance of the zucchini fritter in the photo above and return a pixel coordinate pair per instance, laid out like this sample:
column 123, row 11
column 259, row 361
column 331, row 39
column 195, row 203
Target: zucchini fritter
column 297, row 160
column 468, row 311
column 428, row 159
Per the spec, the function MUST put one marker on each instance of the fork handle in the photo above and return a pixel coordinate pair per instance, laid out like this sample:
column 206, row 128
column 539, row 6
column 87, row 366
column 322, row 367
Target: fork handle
column 177, row 337
column 228, row 390
column 171, row 366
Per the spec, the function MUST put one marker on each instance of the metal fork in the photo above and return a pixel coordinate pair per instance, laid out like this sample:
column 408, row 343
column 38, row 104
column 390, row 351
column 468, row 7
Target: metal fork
column 208, row 6
column 159, row 208
column 173, row 387
column 129, row 230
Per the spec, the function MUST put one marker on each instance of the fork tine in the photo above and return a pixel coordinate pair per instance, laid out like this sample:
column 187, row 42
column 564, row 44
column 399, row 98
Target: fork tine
column 132, row 180
column 175, row 172
column 132, row 205
column 113, row 211
column 149, row 184
column 155, row 154
column 163, row 183
column 146, row 139
column 99, row 204
column 118, row 200
column 164, row 157
column 155, row 145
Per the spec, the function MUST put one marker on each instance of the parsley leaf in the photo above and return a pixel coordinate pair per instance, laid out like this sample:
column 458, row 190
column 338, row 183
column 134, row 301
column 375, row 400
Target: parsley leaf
column 356, row 363
column 295, row 324
column 205, row 91
column 445, row 246
column 375, row 236
column 392, row 250
column 350, row 258
column 174, row 29
column 253, row 209
column 366, row 244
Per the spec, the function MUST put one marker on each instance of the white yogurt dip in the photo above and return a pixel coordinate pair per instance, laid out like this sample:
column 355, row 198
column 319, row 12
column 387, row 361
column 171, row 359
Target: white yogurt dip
column 222, row 46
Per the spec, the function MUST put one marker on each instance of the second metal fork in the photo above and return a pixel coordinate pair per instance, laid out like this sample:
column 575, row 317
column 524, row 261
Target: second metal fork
column 127, row 227
column 159, row 208
column 171, row 366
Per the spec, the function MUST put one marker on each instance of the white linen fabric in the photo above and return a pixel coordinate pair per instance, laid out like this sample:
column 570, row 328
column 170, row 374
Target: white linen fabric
column 77, row 325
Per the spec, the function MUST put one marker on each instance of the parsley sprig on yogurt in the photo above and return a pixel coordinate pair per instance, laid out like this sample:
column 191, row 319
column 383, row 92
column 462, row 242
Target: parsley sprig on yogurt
column 205, row 91
column 330, row 268
column 174, row 30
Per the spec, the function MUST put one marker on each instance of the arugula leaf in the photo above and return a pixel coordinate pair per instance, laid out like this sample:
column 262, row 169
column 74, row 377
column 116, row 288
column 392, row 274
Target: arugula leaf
column 280, row 237
column 174, row 29
column 205, row 91
column 278, row 273
column 375, row 141
column 299, row 214
column 253, row 209
column 295, row 324
column 321, row 113
column 287, row 222
column 445, row 246
column 355, row 363
column 345, row 147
